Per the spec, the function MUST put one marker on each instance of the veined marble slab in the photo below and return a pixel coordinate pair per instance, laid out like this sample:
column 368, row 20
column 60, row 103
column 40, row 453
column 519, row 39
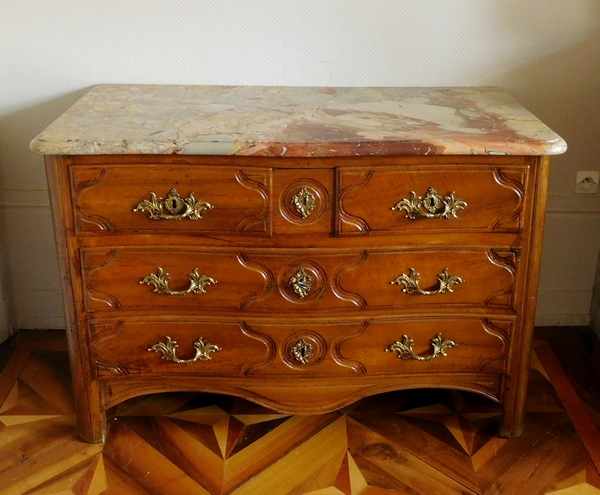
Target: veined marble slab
column 297, row 122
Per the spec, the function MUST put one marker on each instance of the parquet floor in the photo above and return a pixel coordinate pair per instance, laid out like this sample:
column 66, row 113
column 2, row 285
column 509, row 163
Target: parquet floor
column 412, row 442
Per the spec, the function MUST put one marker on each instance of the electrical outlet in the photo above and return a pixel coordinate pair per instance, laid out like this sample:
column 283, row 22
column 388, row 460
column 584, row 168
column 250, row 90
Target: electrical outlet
column 586, row 182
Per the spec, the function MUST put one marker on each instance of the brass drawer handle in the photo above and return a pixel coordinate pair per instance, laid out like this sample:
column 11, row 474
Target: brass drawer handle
column 302, row 351
column 405, row 348
column 411, row 283
column 160, row 281
column 304, row 201
column 432, row 205
column 169, row 350
column 302, row 283
column 177, row 207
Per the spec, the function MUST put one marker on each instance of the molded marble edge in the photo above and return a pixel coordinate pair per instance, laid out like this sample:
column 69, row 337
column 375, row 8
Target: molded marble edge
column 297, row 122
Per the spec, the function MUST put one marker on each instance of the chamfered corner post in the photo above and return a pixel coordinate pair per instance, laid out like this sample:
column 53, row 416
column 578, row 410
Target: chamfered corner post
column 87, row 391
column 512, row 422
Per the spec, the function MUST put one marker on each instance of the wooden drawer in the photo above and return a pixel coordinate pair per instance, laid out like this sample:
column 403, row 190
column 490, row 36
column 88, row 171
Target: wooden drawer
column 418, row 346
column 168, row 279
column 302, row 349
column 451, row 278
column 445, row 198
column 125, row 347
column 297, row 281
column 228, row 199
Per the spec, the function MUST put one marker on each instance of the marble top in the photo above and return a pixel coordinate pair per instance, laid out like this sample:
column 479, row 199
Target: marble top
column 297, row 122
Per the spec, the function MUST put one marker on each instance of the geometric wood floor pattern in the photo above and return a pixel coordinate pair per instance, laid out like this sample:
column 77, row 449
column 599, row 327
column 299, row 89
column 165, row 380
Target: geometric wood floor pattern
column 410, row 442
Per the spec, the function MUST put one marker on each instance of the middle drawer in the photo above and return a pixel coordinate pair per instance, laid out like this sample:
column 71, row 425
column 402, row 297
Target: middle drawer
column 275, row 281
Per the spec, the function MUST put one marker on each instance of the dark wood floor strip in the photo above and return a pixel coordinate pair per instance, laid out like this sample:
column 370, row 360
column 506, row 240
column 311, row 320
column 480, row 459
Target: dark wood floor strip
column 13, row 369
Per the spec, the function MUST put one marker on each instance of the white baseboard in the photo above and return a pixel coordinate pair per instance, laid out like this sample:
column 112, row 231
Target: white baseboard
column 557, row 308
column 41, row 323
column 562, row 320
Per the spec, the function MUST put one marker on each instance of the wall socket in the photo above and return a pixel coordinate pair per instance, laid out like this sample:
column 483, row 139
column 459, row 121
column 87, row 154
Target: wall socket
column 586, row 182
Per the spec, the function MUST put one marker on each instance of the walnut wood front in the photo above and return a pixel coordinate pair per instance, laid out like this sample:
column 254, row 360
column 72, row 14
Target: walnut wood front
column 287, row 275
column 259, row 281
column 255, row 349
column 105, row 198
column 371, row 199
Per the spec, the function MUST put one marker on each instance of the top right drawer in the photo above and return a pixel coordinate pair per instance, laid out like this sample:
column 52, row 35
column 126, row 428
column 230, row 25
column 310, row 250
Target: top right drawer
column 448, row 198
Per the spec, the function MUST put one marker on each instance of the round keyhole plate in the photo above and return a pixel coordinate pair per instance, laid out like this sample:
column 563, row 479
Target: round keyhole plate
column 303, row 349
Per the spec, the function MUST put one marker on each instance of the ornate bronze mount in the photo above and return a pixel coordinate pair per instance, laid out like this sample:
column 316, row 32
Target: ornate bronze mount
column 160, row 281
column 432, row 205
column 177, row 207
column 302, row 351
column 304, row 201
column 169, row 350
column 302, row 283
column 405, row 348
column 411, row 283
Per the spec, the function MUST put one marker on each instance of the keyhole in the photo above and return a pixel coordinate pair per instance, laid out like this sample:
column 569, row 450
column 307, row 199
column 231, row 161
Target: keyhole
column 174, row 203
column 431, row 202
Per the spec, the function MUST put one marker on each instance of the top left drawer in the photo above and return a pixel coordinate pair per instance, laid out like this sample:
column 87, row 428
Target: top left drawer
column 171, row 198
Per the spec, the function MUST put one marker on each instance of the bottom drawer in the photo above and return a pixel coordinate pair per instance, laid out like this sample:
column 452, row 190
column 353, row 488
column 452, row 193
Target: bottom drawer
column 305, row 348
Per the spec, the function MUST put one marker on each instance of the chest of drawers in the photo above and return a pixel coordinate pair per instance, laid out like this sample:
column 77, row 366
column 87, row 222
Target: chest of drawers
column 299, row 247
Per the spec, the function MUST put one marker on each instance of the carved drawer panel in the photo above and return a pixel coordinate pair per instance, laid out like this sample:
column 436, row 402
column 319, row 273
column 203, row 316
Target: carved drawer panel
column 121, row 348
column 167, row 279
column 367, row 347
column 447, row 277
column 302, row 349
column 399, row 280
column 436, row 199
column 219, row 280
column 429, row 345
column 305, row 200
column 299, row 281
column 155, row 198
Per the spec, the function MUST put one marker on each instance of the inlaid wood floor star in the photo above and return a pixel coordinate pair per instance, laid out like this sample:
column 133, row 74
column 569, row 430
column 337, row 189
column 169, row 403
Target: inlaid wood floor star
column 409, row 442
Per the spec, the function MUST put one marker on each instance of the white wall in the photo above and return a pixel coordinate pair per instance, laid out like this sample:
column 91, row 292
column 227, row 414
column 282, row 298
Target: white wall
column 546, row 52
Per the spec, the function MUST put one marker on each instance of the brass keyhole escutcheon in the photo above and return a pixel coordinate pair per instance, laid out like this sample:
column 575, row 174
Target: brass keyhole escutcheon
column 302, row 283
column 304, row 201
column 302, row 351
column 432, row 205
column 177, row 208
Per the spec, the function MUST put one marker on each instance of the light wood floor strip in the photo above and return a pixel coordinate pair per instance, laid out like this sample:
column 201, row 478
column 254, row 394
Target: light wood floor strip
column 293, row 470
